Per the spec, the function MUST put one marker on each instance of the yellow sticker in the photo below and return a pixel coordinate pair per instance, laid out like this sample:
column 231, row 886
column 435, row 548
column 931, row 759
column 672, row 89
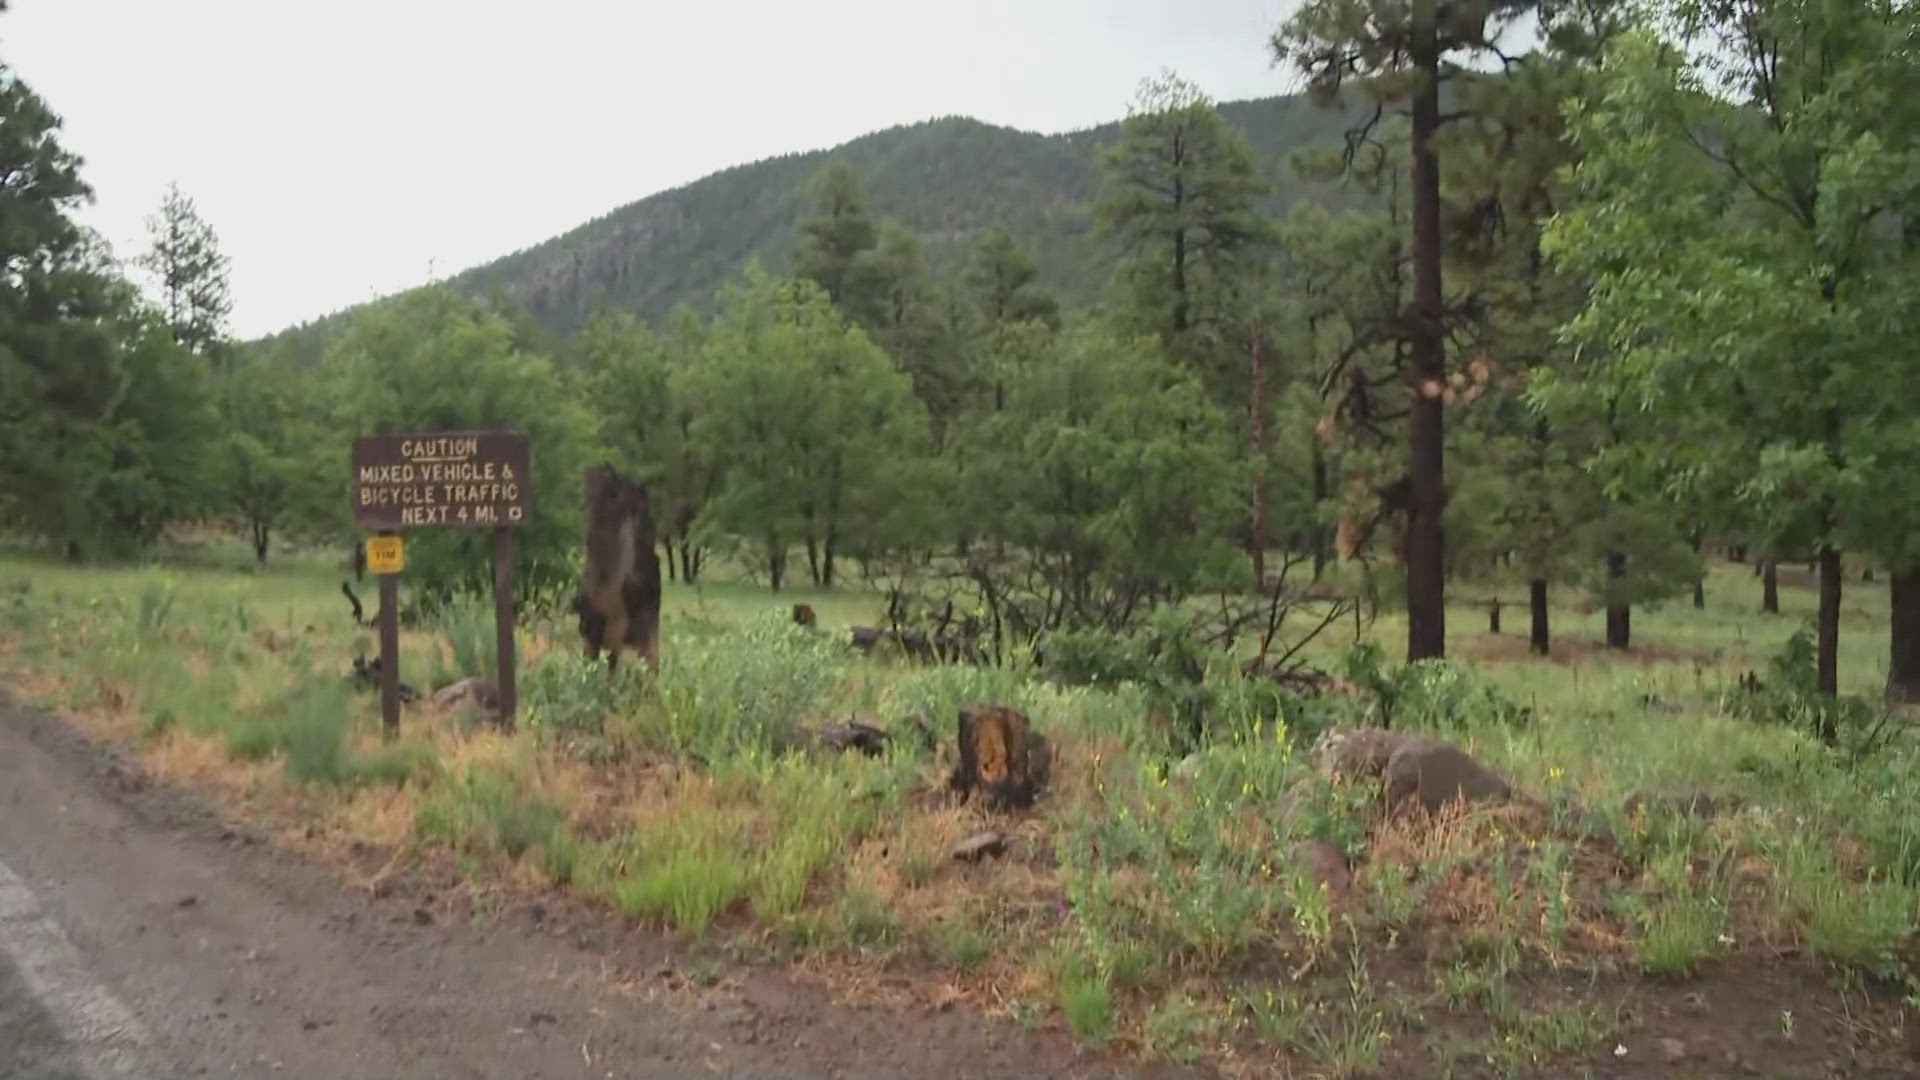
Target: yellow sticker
column 386, row 555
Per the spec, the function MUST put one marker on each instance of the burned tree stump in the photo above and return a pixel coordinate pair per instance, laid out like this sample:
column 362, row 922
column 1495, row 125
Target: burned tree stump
column 619, row 599
column 1000, row 757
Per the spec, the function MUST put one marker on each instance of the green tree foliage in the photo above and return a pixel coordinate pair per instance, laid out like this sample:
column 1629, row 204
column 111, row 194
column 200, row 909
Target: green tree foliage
column 1106, row 484
column 436, row 361
column 646, row 427
column 1740, row 221
column 816, row 429
column 1002, row 284
column 277, row 459
column 836, row 249
column 1179, row 201
column 102, row 416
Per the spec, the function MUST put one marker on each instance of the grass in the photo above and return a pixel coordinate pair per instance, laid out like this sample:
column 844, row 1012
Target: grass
column 1159, row 912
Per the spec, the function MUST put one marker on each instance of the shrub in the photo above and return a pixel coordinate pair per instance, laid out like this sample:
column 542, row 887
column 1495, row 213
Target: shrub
column 743, row 689
column 569, row 698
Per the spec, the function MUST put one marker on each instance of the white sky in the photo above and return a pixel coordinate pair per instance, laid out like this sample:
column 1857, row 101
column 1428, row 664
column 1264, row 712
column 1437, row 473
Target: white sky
column 347, row 149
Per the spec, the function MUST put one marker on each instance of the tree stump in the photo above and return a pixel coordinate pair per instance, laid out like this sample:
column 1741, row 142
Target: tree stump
column 1000, row 757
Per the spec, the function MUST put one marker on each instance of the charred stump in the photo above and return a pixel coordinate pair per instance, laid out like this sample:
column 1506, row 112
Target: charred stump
column 1000, row 757
column 619, row 599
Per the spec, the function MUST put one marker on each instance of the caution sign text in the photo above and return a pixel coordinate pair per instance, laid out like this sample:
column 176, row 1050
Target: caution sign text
column 473, row 478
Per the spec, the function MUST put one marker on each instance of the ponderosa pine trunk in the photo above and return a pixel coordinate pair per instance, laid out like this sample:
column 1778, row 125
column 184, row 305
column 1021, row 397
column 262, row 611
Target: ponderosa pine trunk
column 776, row 562
column 1903, row 668
column 1537, row 601
column 1619, row 615
column 1426, row 582
column 1828, row 627
column 1493, row 616
column 1770, row 588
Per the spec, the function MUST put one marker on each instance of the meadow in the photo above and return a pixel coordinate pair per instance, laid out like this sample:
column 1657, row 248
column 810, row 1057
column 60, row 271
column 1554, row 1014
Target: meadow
column 1160, row 907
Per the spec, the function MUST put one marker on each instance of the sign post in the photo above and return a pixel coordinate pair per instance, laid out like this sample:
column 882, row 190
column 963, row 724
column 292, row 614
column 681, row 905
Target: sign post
column 471, row 479
column 388, row 566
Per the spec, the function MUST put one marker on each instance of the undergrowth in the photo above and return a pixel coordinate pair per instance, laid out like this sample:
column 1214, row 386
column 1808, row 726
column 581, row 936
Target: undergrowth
column 1164, row 895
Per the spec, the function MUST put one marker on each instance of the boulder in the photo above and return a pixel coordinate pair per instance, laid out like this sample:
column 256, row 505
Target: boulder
column 1436, row 773
column 1355, row 753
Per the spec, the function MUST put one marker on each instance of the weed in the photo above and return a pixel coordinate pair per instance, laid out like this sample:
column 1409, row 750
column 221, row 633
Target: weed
column 486, row 810
column 963, row 945
column 1680, row 925
column 1177, row 1027
column 1088, row 1006
column 687, row 887
column 465, row 626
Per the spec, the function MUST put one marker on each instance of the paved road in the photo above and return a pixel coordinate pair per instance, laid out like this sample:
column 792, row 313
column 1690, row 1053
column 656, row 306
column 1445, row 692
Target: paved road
column 141, row 936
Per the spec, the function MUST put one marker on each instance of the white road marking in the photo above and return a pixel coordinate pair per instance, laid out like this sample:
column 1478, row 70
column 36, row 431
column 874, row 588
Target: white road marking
column 105, row 1037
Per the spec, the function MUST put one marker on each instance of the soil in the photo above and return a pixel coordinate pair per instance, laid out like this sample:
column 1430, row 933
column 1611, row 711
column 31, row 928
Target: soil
column 238, row 956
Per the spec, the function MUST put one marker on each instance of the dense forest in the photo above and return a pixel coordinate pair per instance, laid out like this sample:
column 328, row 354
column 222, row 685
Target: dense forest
column 1556, row 321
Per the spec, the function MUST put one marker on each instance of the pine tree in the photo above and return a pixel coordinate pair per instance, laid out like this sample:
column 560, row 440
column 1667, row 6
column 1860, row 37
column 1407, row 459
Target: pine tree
column 187, row 265
column 1402, row 53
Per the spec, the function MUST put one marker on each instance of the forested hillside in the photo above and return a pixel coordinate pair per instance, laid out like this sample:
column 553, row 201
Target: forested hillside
column 945, row 180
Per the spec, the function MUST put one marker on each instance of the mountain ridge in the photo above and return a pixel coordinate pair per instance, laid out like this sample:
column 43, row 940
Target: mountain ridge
column 945, row 179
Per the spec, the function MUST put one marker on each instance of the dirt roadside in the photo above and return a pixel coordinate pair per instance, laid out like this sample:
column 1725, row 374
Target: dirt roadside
column 240, row 958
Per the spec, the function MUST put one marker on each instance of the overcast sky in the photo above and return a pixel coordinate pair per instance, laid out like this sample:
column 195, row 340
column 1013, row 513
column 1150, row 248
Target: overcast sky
column 348, row 149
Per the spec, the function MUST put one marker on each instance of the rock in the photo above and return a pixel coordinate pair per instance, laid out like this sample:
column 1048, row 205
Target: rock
column 1352, row 753
column 1698, row 804
column 1673, row 1050
column 980, row 845
column 1437, row 773
column 188, row 901
column 1324, row 864
column 473, row 688
column 854, row 735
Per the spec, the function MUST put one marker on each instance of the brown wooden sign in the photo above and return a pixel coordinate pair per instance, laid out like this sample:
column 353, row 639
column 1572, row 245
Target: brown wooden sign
column 477, row 479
